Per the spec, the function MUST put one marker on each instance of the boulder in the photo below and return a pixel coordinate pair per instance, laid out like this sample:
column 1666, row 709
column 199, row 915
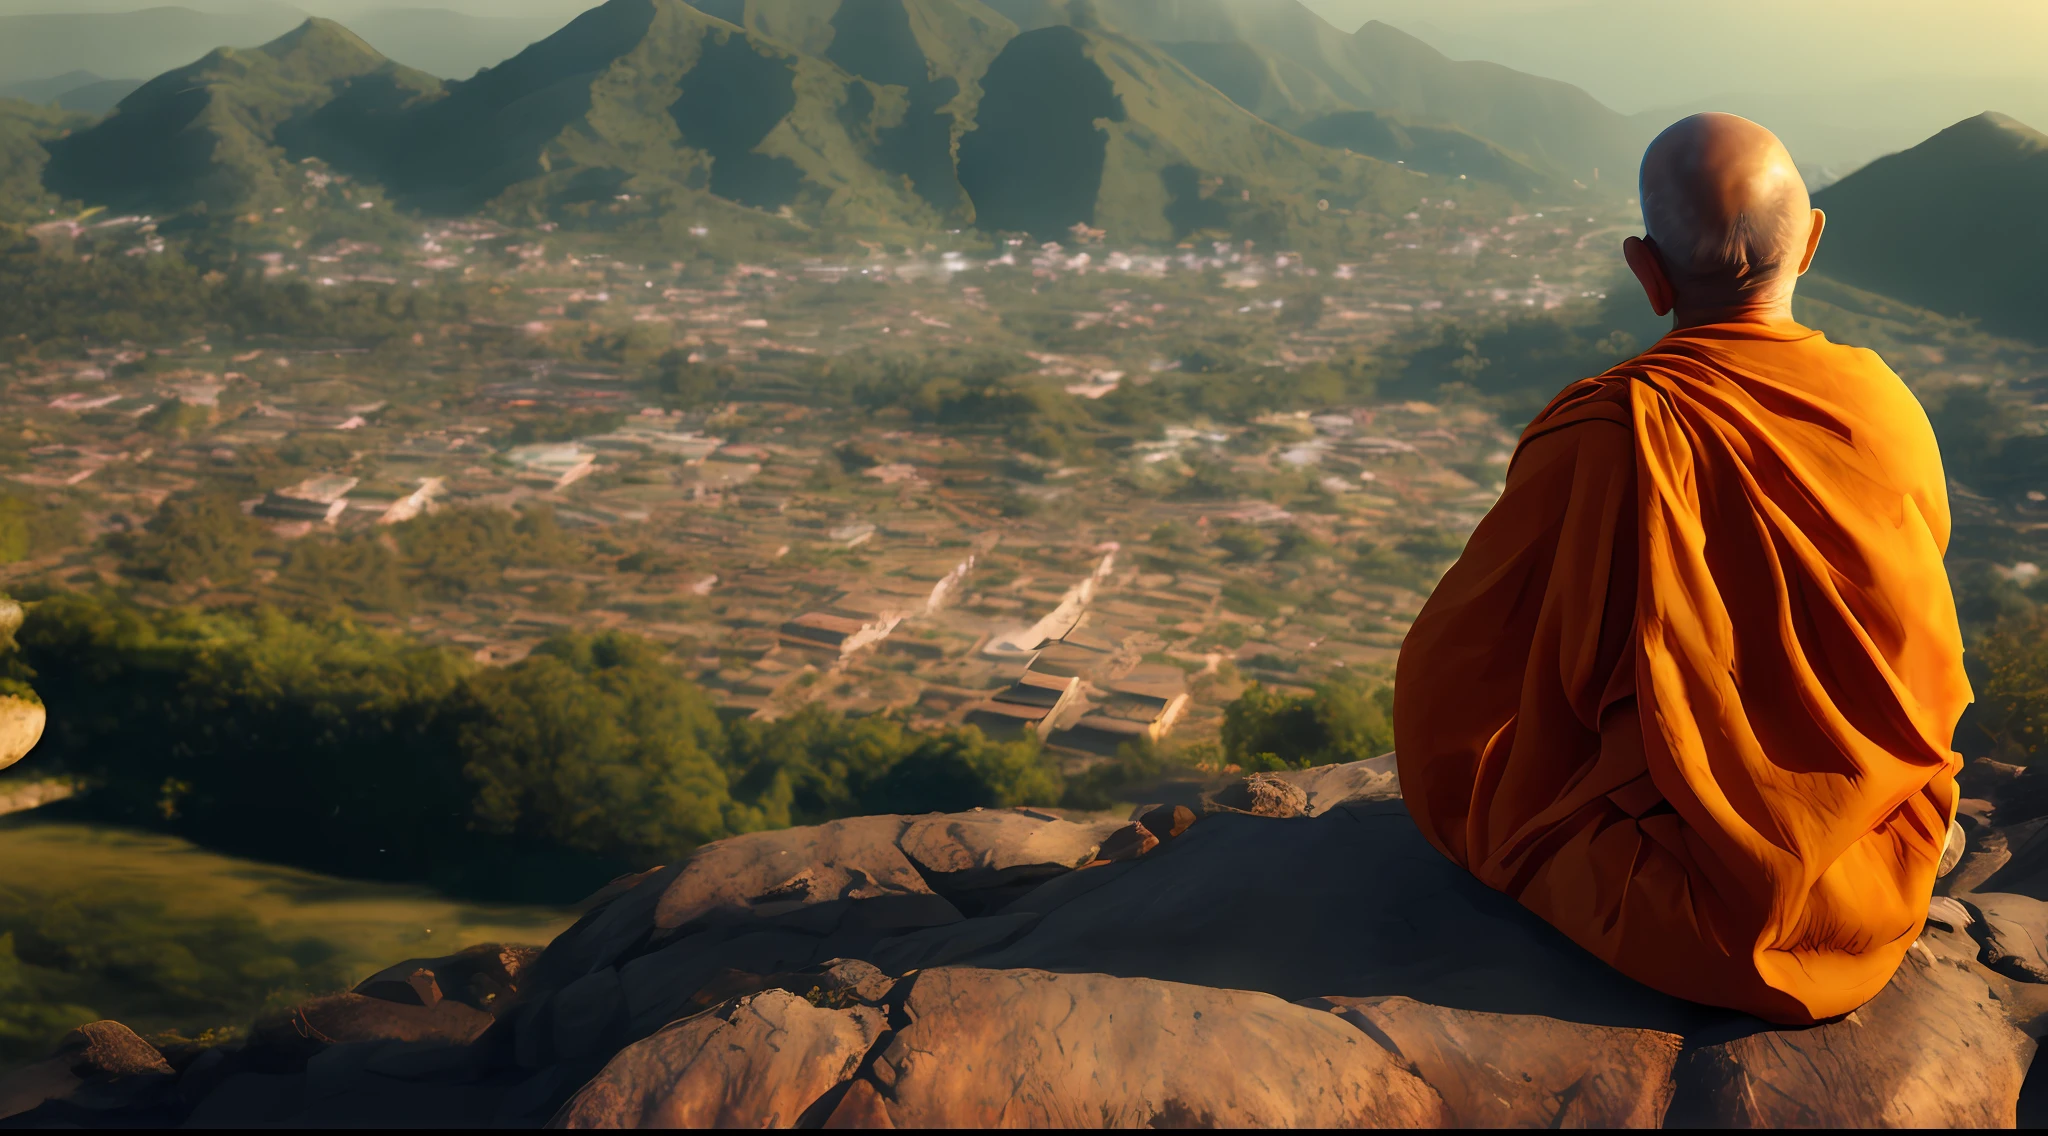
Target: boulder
column 2025, row 870
column 99, row 1069
column 110, row 1049
column 2016, row 793
column 1992, row 781
column 664, row 985
column 762, row 1061
column 2014, row 932
column 890, row 971
column 992, row 847
column 1165, row 822
column 1354, row 902
column 21, row 727
column 1519, row 1070
column 1952, row 850
column 1127, row 843
column 1985, row 851
column 1031, row 1049
column 1932, row 1050
column 1261, row 794
column 1328, row 786
column 775, row 873
column 484, row 977
column 286, row 1041
column 615, row 927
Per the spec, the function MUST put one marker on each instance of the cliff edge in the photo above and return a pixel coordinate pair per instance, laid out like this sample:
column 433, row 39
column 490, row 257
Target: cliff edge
column 1292, row 955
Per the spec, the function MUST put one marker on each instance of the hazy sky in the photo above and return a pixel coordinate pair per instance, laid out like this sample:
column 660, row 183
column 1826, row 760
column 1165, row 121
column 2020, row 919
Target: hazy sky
column 1637, row 55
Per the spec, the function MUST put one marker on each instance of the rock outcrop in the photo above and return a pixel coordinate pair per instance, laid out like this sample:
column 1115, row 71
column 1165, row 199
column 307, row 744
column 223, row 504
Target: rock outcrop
column 21, row 727
column 1295, row 955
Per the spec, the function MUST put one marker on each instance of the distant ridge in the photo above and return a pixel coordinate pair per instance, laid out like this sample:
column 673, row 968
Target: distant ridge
column 147, row 41
column 856, row 115
column 655, row 100
column 1433, row 149
column 1288, row 65
column 1088, row 126
column 1957, row 225
column 217, row 132
column 936, row 50
column 26, row 129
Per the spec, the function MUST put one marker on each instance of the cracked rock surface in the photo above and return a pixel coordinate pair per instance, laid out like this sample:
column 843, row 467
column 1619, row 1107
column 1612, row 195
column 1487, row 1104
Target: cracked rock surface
column 1293, row 955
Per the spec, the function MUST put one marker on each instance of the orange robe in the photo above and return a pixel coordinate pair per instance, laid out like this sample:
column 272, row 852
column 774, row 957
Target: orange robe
column 1689, row 693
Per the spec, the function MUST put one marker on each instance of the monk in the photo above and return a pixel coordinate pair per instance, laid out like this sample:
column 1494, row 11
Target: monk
column 1689, row 693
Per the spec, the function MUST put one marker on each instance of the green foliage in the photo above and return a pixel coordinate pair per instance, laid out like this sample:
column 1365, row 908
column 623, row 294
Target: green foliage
column 165, row 297
column 454, row 551
column 194, row 537
column 1345, row 718
column 316, row 742
column 216, row 134
column 1980, row 445
column 813, row 766
column 29, row 527
column 176, row 419
column 2012, row 690
column 123, row 955
column 1106, row 785
column 1916, row 225
column 1298, row 544
column 1244, row 542
column 962, row 769
column 1430, row 148
column 687, row 385
column 1522, row 361
column 319, row 743
column 1248, row 597
column 594, row 744
column 362, row 572
column 876, row 379
column 24, row 128
column 562, row 426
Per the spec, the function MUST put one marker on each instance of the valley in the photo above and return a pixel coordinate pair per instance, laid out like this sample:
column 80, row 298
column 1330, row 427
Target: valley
column 430, row 495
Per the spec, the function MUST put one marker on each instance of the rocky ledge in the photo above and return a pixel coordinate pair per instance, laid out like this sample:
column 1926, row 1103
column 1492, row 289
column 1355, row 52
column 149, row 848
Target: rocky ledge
column 1291, row 954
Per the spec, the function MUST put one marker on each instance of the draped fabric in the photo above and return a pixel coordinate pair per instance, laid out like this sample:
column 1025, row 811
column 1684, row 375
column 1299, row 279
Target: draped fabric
column 1689, row 693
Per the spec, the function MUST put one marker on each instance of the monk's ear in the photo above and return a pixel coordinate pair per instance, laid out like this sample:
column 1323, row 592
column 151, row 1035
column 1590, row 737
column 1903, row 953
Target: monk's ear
column 1649, row 269
column 1820, row 224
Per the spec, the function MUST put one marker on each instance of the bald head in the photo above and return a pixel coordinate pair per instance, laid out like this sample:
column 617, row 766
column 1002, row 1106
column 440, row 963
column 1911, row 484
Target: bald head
column 1727, row 209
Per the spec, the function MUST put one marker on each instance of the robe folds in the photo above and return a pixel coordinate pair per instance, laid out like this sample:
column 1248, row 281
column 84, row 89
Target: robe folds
column 1689, row 693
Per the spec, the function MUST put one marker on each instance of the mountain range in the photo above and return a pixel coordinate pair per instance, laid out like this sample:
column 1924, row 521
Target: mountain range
column 1156, row 119
column 25, row 131
column 1288, row 65
column 39, row 47
column 860, row 113
column 1954, row 225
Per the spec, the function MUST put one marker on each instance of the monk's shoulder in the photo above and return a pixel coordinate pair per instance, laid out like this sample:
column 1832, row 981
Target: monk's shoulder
column 1887, row 407
column 1601, row 399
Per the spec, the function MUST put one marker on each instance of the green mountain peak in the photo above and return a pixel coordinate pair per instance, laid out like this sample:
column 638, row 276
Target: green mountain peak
column 1953, row 225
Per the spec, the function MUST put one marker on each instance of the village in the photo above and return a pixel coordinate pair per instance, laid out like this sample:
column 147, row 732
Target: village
column 790, row 550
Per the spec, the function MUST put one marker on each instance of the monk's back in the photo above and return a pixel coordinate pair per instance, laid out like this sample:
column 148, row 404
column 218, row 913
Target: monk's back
column 1689, row 693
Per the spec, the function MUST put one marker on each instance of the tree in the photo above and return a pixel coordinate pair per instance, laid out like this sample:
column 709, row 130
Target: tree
column 1345, row 718
column 454, row 551
column 1244, row 543
column 685, row 383
column 1303, row 311
column 29, row 527
column 594, row 744
column 2012, row 699
column 362, row 572
column 195, row 537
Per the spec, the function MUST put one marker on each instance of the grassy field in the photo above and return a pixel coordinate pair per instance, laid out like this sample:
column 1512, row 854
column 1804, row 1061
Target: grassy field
column 99, row 922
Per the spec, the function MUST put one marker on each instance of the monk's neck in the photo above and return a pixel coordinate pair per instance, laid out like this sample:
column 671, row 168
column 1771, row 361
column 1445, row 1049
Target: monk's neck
column 1770, row 313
